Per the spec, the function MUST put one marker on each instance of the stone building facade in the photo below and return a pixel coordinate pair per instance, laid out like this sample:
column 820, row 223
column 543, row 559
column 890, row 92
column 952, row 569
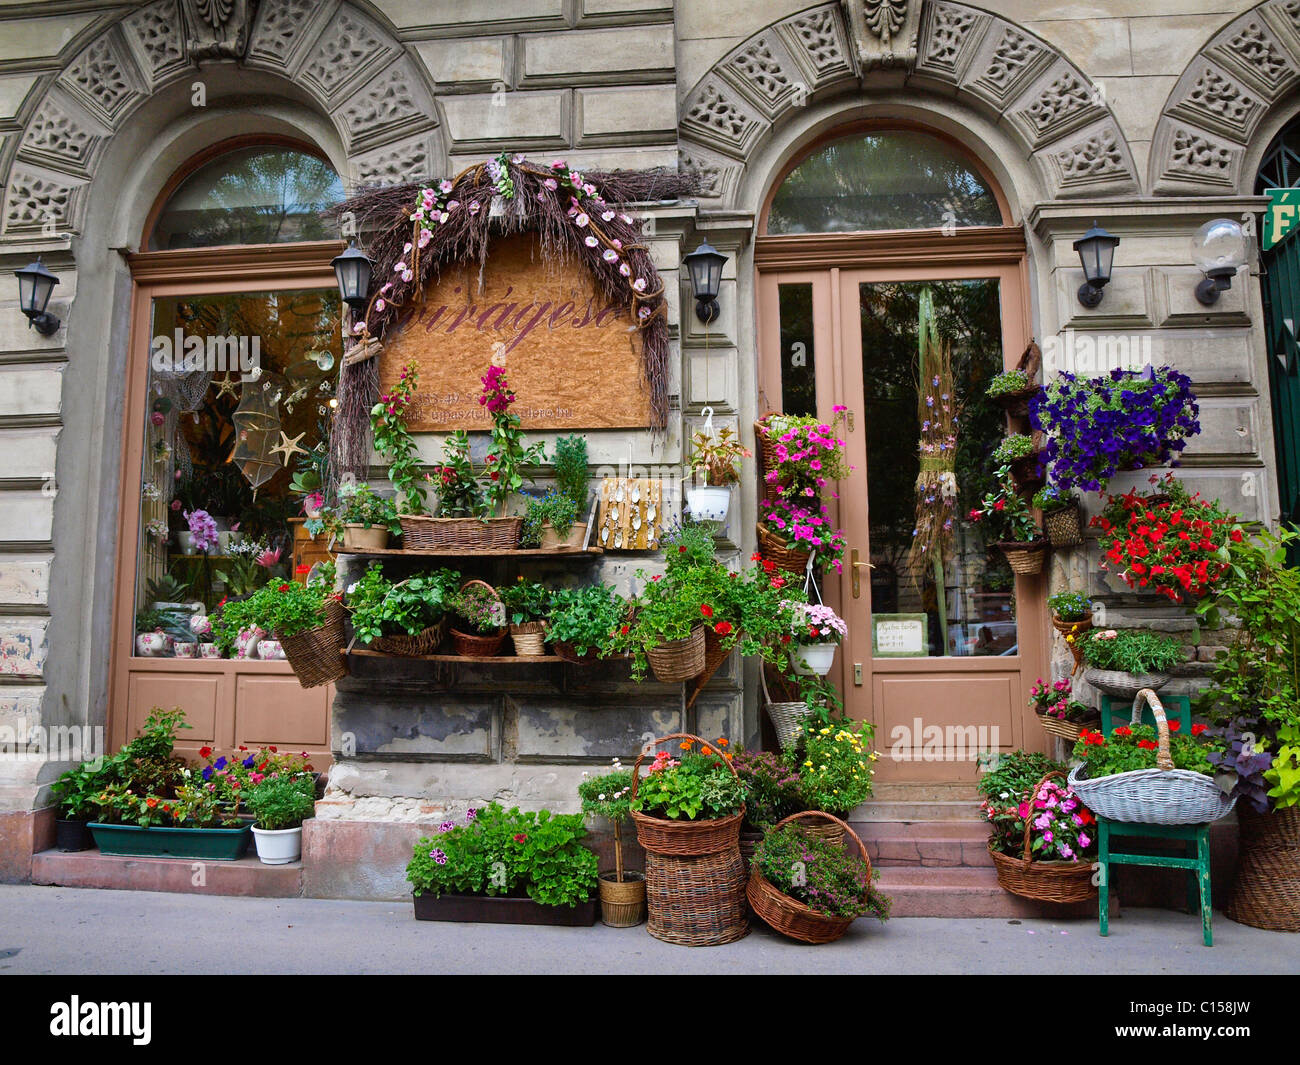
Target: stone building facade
column 1152, row 121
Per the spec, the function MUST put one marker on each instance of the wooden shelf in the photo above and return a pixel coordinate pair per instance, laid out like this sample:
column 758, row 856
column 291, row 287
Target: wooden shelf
column 585, row 555
column 464, row 659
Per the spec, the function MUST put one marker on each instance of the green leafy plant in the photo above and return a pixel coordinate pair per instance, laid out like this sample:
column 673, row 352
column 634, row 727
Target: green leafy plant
column 1069, row 606
column 837, row 766
column 460, row 494
column 526, row 601
column 716, row 460
column 610, row 796
column 1134, row 747
column 394, row 441
column 555, row 509
column 1009, row 382
column 572, row 477
column 771, row 787
column 77, row 789
column 507, row 454
column 1014, row 446
column 1005, row 514
column 362, row 505
column 586, row 617
column 479, row 607
column 1131, row 650
column 494, row 851
column 1052, row 498
column 158, row 736
column 696, row 786
column 381, row 607
column 282, row 801
column 1284, row 774
column 830, row 879
column 667, row 609
column 166, row 589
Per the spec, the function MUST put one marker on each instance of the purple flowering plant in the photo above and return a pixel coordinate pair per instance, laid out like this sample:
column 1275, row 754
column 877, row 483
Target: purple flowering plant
column 1129, row 419
column 828, row 878
column 203, row 529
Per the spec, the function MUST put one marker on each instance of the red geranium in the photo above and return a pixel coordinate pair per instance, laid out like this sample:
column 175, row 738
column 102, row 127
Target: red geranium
column 722, row 628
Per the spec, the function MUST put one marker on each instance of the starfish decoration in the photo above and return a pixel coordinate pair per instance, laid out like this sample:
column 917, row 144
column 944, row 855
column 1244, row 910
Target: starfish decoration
column 226, row 387
column 288, row 447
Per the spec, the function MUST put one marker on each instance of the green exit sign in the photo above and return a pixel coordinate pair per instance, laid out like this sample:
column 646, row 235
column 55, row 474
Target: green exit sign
column 1282, row 216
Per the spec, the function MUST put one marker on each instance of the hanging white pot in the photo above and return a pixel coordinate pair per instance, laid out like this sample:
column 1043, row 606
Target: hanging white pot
column 814, row 659
column 278, row 846
column 709, row 504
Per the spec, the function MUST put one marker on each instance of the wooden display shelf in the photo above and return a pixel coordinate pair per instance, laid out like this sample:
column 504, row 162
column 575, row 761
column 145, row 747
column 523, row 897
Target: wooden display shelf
column 521, row 552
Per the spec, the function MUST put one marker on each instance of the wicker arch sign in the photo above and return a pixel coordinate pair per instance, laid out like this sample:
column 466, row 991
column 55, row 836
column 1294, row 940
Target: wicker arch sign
column 574, row 360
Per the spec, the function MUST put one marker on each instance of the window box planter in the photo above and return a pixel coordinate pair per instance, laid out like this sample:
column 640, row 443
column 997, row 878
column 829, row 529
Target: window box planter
column 573, row 540
column 210, row 844
column 358, row 537
column 502, row 909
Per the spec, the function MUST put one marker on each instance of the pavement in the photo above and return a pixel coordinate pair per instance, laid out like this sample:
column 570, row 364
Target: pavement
column 56, row 930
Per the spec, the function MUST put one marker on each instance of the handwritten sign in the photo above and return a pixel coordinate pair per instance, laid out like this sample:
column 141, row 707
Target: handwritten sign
column 900, row 635
column 573, row 359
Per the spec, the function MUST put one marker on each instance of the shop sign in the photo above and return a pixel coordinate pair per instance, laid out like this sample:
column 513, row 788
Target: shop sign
column 1282, row 217
column 900, row 635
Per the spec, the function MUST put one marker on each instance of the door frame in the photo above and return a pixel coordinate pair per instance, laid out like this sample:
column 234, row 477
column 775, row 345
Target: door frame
column 178, row 273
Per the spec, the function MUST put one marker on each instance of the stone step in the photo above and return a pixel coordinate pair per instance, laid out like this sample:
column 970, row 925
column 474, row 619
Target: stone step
column 90, row 869
column 964, row 892
column 929, row 791
column 926, row 844
column 948, row 810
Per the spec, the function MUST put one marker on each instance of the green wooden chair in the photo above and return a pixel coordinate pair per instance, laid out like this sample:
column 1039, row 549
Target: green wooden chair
column 1195, row 839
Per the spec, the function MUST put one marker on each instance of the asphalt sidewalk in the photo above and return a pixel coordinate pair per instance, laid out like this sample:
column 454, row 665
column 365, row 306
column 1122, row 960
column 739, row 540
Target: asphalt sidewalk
column 73, row 931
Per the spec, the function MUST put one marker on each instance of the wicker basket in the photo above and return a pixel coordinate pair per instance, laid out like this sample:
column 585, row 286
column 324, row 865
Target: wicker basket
column 474, row 645
column 773, row 548
column 1073, row 628
column 564, row 650
column 749, row 841
column 767, row 460
column 714, row 655
column 422, row 533
column 789, row 916
column 1043, row 881
column 787, row 717
column 1160, row 796
column 678, row 660
column 529, row 639
column 425, row 642
column 1025, row 558
column 696, row 901
column 661, row 836
column 1123, row 685
column 316, row 656
column 1066, row 730
column 1063, row 526
column 1267, row 891
column 622, row 903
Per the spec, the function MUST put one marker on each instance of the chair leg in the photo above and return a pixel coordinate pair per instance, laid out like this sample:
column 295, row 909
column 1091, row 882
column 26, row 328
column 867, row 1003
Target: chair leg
column 1103, row 889
column 1203, row 873
column 1192, row 850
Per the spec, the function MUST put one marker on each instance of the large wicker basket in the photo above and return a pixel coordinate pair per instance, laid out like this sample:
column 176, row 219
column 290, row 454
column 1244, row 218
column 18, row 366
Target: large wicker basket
column 1043, row 881
column 1267, row 890
column 661, row 836
column 1123, row 685
column 422, row 533
column 777, row 551
column 1055, row 726
column 316, row 656
column 678, row 660
column 476, row 645
column 789, row 916
column 1160, row 796
column 424, row 642
column 1025, row 557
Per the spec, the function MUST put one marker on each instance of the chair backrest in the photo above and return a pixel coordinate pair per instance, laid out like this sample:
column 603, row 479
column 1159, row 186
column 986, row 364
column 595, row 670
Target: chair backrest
column 1116, row 711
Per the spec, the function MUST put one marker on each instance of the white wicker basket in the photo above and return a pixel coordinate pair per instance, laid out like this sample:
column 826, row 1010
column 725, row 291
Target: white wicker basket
column 787, row 718
column 1160, row 796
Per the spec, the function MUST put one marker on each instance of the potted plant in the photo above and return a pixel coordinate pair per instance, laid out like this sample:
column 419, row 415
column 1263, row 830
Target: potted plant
column 368, row 519
column 551, row 523
column 835, row 764
column 305, row 619
column 1012, row 390
column 666, row 631
column 818, row 631
column 771, row 794
column 715, row 463
column 76, row 791
column 1071, row 612
column 1128, row 419
column 622, row 891
column 407, row 617
column 1061, row 520
column 802, row 452
column 394, row 441
column 460, row 493
column 1020, row 454
column 583, row 620
column 480, row 626
column 572, row 477
column 789, row 532
column 1010, row 523
column 503, row 866
column 1058, row 712
column 1043, row 839
column 281, row 803
column 202, row 534
column 527, row 607
column 1121, row 662
column 809, row 889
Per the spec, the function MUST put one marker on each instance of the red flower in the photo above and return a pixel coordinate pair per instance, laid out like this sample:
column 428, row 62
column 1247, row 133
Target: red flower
column 1147, row 745
column 520, row 837
column 768, row 565
column 706, row 610
column 1198, row 728
column 494, row 475
column 624, row 630
column 302, row 568
column 284, row 587
column 205, row 752
column 1175, row 725
column 1000, row 504
column 1235, row 536
column 722, row 628
column 681, row 549
column 1123, row 730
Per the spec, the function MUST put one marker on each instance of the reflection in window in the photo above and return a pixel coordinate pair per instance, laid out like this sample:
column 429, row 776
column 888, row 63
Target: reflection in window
column 978, row 588
column 226, row 439
column 257, row 195
column 798, row 373
column 891, row 180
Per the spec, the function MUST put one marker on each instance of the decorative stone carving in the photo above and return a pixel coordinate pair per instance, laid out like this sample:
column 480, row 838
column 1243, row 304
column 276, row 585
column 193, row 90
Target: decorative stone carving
column 38, row 201
column 949, row 34
column 1217, row 101
column 381, row 104
column 280, row 29
column 397, row 165
column 718, row 175
column 348, row 45
column 757, row 66
column 818, row 34
column 217, row 29
column 1095, row 158
column 1063, row 103
column 155, row 32
column 60, row 136
column 1195, row 155
column 884, row 32
column 101, row 77
column 719, row 118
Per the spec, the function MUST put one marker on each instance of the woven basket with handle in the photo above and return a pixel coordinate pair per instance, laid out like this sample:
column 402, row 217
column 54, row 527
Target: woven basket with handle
column 316, row 656
column 422, row 533
column 476, row 645
column 1025, row 558
column 424, row 642
column 1160, row 796
column 659, row 835
column 789, row 916
column 1043, row 881
column 787, row 717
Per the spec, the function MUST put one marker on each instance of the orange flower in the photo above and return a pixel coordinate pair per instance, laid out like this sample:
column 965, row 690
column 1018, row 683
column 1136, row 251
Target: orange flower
column 151, row 803
column 685, row 745
column 723, row 741
column 705, row 750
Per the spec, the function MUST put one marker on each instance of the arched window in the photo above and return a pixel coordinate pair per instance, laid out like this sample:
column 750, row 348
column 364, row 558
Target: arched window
column 882, row 180
column 257, row 194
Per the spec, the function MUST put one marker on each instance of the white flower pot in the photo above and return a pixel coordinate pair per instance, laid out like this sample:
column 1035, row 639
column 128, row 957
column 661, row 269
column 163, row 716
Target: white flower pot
column 708, row 504
column 247, row 640
column 814, row 659
column 185, row 541
column 151, row 645
column 278, row 846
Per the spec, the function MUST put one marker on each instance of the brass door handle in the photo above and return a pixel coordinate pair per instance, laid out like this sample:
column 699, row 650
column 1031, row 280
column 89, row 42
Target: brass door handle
column 855, row 566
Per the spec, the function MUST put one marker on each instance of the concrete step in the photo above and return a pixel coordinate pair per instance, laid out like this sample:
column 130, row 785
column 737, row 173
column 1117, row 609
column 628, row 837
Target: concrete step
column 963, row 892
column 926, row 844
column 90, row 869
column 933, row 791
column 945, row 810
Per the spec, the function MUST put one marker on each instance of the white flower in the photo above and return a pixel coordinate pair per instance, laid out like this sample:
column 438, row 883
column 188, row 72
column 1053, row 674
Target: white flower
column 353, row 587
column 607, row 216
column 601, row 796
column 581, row 220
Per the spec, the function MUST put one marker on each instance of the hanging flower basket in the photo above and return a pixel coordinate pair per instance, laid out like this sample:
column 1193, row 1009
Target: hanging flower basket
column 1027, row 472
column 1016, row 404
column 1025, row 557
column 316, row 655
column 1160, row 796
column 1123, row 685
column 814, row 659
column 1043, row 881
column 1063, row 527
column 678, row 660
column 787, row 717
column 777, row 550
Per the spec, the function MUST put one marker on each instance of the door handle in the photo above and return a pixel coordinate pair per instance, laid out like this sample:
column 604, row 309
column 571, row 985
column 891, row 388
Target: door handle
column 855, row 568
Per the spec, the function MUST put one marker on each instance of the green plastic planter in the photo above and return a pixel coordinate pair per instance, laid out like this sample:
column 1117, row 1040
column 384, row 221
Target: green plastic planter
column 209, row 844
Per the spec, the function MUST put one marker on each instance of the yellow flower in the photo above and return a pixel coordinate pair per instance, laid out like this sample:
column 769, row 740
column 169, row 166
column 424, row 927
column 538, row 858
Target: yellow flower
column 808, row 765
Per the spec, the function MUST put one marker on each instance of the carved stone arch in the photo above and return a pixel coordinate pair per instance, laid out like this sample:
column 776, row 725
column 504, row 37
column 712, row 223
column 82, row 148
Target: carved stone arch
column 1050, row 109
column 353, row 68
column 1244, row 74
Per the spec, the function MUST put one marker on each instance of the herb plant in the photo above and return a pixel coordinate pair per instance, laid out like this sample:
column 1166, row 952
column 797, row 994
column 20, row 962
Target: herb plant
column 362, row 505
column 282, row 801
column 526, row 601
column 384, row 608
column 571, row 474
column 1131, row 650
column 586, row 618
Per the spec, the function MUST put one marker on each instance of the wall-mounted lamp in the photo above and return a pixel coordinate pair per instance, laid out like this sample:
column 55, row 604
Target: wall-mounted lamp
column 705, row 265
column 353, row 268
column 1218, row 249
column 1096, row 250
column 35, row 283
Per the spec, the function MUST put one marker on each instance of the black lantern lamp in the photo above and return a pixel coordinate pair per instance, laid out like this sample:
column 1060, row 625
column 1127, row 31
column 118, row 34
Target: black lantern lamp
column 705, row 265
column 1218, row 250
column 35, row 283
column 1096, row 250
column 353, row 268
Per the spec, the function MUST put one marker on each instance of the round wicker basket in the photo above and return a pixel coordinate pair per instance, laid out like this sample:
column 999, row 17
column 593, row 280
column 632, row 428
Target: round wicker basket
column 678, row 660
column 789, row 916
column 565, row 650
column 1123, row 685
column 316, row 656
column 529, row 639
column 425, row 642
column 659, row 835
column 478, row 645
column 776, row 550
column 1267, row 890
column 1043, row 881
column 622, row 903
column 1025, row 558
